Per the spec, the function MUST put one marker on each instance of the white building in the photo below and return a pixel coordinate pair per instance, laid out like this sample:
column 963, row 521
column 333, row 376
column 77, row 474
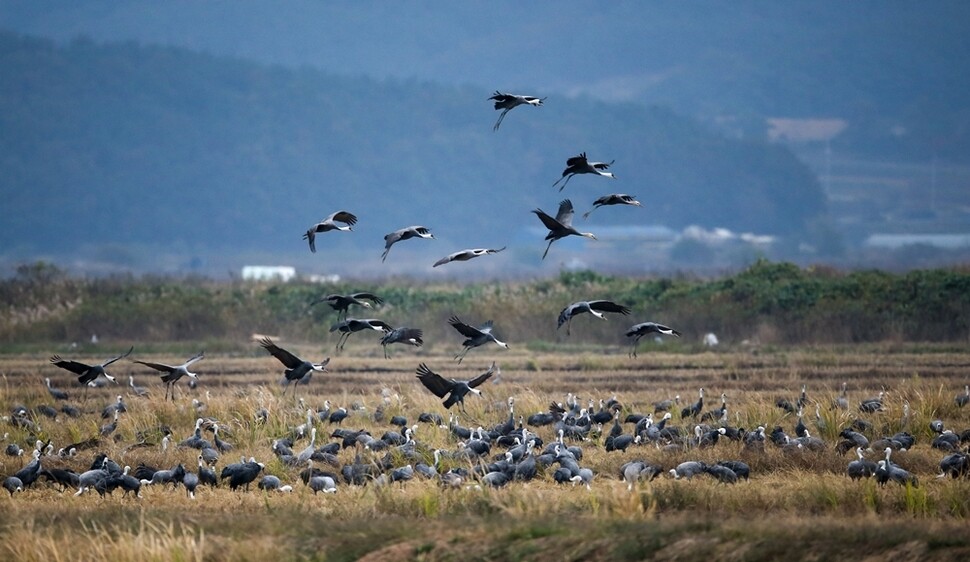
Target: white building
column 282, row 273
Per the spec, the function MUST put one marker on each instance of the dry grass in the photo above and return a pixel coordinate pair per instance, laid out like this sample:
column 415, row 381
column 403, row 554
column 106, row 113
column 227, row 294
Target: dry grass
column 806, row 497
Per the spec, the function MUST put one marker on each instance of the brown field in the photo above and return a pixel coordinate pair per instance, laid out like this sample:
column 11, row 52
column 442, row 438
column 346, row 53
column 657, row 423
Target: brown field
column 797, row 504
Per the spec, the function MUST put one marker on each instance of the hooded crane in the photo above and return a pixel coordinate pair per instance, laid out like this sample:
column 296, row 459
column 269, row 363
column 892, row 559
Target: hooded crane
column 476, row 336
column 353, row 325
column 454, row 389
column 465, row 255
column 637, row 331
column 596, row 308
column 328, row 224
column 561, row 226
column 580, row 165
column 56, row 393
column 88, row 373
column 870, row 405
column 962, row 400
column 296, row 368
column 408, row 336
column 341, row 303
column 507, row 102
column 613, row 199
column 172, row 374
column 404, row 234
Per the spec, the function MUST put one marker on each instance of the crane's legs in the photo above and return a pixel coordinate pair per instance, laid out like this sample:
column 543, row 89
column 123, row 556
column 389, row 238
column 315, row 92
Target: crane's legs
column 500, row 117
column 547, row 249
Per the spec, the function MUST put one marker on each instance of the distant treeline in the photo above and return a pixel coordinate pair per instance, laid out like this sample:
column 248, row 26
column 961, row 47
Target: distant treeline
column 766, row 303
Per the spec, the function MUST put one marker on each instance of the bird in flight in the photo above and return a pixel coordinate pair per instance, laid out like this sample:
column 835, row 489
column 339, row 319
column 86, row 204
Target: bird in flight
column 353, row 325
column 296, row 368
column 172, row 373
column 613, row 199
column 466, row 255
column 88, row 373
column 405, row 335
column 637, row 331
column 328, row 224
column 404, row 234
column 579, row 165
column 562, row 225
column 507, row 102
column 596, row 308
column 341, row 303
column 475, row 336
column 454, row 389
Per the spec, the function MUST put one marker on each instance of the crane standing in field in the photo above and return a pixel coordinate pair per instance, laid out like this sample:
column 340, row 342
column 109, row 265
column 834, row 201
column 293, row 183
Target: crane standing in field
column 562, row 225
column 172, row 373
column 56, row 393
column 508, row 102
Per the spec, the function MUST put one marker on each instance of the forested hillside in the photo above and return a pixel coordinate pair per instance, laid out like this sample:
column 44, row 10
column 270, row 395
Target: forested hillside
column 896, row 71
column 121, row 152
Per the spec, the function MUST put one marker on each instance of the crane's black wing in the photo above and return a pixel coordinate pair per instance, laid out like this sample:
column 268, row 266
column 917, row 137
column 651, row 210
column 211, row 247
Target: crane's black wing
column 608, row 306
column 122, row 356
column 410, row 336
column 371, row 323
column 549, row 222
column 649, row 327
column 369, row 296
column 464, row 329
column 482, row 377
column 157, row 366
column 72, row 366
column 343, row 325
column 576, row 160
column 285, row 357
column 328, row 299
column 344, row 217
column 433, row 381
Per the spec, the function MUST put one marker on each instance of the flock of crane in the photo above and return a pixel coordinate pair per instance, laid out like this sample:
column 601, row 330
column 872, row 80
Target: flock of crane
column 508, row 451
column 399, row 454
